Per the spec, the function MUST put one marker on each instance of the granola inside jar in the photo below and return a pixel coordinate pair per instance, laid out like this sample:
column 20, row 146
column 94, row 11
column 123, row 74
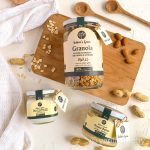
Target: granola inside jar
column 83, row 57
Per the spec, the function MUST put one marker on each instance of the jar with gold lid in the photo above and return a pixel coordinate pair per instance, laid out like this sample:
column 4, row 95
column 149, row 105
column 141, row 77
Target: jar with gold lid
column 99, row 125
column 83, row 56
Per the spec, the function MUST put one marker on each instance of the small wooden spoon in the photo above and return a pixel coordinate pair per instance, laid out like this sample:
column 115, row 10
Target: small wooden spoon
column 83, row 9
column 112, row 6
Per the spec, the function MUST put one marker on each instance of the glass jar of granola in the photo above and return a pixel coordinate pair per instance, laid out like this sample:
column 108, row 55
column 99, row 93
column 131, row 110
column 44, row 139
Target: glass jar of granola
column 83, row 53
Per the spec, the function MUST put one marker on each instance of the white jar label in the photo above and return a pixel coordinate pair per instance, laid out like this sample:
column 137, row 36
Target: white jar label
column 83, row 53
column 122, row 131
column 42, row 109
column 100, row 127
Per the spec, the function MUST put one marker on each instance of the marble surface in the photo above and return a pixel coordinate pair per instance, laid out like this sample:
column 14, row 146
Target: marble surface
column 55, row 136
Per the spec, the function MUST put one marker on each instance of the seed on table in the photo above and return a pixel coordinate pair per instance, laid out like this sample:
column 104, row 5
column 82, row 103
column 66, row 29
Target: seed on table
column 47, row 38
column 49, row 46
column 45, row 66
column 53, row 69
column 56, row 32
column 38, row 67
column 40, row 60
column 44, row 36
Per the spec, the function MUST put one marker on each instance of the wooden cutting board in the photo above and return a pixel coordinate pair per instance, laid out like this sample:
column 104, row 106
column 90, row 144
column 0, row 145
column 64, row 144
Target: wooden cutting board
column 118, row 74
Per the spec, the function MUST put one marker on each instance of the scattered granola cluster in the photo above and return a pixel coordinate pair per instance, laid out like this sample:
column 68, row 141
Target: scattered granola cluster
column 51, row 26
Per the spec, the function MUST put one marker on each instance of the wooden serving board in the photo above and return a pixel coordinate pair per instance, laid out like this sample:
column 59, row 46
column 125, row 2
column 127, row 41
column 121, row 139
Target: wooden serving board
column 118, row 74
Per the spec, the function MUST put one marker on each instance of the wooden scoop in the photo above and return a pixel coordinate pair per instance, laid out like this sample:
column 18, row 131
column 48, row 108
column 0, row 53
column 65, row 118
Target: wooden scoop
column 83, row 9
column 112, row 6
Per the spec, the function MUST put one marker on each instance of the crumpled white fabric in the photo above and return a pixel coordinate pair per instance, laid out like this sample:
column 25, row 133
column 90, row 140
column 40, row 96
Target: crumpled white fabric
column 12, row 115
column 17, row 20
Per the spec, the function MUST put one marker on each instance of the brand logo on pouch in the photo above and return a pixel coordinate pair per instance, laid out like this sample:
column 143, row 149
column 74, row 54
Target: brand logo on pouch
column 103, row 122
column 81, row 34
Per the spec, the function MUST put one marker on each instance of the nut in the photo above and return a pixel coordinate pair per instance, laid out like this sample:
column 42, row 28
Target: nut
column 125, row 52
column 124, row 41
column 100, row 148
column 141, row 97
column 121, row 93
column 19, row 1
column 127, row 93
column 144, row 142
column 118, row 93
column 17, row 61
column 118, row 36
column 137, row 111
column 79, row 141
column 135, row 52
column 129, row 60
column 117, row 44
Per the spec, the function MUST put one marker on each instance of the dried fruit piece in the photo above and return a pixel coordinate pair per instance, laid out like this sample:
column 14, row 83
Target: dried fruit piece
column 124, row 41
column 144, row 142
column 17, row 61
column 117, row 44
column 118, row 36
column 137, row 111
column 141, row 97
column 125, row 52
column 135, row 52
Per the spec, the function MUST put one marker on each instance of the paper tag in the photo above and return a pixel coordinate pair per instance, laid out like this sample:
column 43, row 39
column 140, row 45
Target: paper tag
column 122, row 131
column 61, row 100
column 104, row 35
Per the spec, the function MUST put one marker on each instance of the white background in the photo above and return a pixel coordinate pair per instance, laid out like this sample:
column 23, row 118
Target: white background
column 55, row 136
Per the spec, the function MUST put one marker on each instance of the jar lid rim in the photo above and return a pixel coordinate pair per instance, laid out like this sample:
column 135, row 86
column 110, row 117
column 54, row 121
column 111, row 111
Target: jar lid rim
column 114, row 113
column 33, row 93
column 86, row 19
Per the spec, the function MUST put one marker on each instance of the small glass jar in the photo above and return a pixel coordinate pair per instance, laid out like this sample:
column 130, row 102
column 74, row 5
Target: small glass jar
column 41, row 108
column 83, row 57
column 99, row 125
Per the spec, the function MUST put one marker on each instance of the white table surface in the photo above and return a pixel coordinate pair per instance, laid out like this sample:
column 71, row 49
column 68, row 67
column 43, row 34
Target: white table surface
column 55, row 136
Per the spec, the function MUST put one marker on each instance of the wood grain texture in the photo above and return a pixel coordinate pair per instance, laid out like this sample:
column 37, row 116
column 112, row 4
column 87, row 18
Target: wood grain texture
column 117, row 73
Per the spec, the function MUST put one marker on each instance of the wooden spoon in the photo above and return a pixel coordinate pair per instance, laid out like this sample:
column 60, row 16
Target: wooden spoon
column 83, row 9
column 113, row 6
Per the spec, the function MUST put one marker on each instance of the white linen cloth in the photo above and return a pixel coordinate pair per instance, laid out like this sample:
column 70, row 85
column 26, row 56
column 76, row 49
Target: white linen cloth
column 17, row 20
column 12, row 116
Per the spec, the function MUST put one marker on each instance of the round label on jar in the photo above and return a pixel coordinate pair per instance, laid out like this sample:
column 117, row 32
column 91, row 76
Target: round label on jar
column 83, row 53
